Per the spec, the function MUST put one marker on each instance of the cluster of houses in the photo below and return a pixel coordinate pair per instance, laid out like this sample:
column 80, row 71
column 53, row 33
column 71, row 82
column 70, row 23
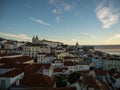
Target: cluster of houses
column 37, row 66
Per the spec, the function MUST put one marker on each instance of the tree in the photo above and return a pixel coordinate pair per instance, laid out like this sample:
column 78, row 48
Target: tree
column 73, row 77
column 60, row 82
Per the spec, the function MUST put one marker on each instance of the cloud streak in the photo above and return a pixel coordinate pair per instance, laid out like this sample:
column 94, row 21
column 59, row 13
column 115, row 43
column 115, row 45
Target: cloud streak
column 61, row 8
column 19, row 36
column 66, row 6
column 107, row 15
column 57, row 11
column 53, row 1
column 39, row 21
column 115, row 39
column 61, row 4
column 87, row 34
column 83, row 33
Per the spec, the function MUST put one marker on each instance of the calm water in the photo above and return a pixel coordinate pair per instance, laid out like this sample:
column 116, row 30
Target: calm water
column 111, row 49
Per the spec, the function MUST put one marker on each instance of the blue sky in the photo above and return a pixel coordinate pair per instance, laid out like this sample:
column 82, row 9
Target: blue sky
column 89, row 22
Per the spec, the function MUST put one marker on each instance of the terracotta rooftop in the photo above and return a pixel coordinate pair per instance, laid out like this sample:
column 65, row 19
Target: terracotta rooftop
column 42, row 88
column 68, row 57
column 103, row 85
column 50, row 54
column 57, row 59
column 35, row 68
column 90, row 82
column 60, row 88
column 12, row 73
column 83, row 73
column 100, row 72
column 7, row 66
column 70, row 63
column 10, row 66
column 14, row 60
column 94, row 83
column 7, row 54
column 37, row 80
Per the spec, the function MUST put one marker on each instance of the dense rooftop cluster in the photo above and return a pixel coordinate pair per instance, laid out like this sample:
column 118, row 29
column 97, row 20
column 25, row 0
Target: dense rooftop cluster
column 47, row 65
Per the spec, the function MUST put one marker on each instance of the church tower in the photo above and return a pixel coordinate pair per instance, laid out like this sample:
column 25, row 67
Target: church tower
column 35, row 40
column 77, row 45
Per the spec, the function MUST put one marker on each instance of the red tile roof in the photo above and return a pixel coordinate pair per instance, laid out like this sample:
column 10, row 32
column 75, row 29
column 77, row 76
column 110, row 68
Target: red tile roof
column 94, row 83
column 8, row 54
column 65, row 88
column 83, row 73
column 58, row 70
column 68, row 57
column 50, row 54
column 7, row 66
column 35, row 68
column 14, row 60
column 48, row 88
column 10, row 66
column 90, row 82
column 59, row 60
column 103, row 85
column 37, row 80
column 70, row 63
column 12, row 73
column 100, row 72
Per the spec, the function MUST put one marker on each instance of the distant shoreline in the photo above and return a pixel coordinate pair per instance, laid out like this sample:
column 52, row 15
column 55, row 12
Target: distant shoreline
column 103, row 46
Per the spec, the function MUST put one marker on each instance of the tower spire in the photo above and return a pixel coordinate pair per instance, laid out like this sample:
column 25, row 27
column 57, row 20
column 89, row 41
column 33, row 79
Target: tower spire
column 36, row 37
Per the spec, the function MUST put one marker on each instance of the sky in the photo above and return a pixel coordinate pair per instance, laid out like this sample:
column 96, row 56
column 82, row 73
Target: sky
column 88, row 22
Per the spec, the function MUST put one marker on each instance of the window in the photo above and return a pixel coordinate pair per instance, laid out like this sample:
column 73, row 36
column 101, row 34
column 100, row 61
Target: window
column 2, row 86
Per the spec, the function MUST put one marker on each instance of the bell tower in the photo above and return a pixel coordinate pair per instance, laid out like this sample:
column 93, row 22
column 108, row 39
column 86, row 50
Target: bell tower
column 35, row 40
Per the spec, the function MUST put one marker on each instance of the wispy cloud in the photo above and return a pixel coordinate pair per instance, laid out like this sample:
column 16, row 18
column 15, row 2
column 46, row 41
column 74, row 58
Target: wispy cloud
column 62, row 4
column 83, row 33
column 57, row 11
column 53, row 1
column 80, row 41
column 19, row 36
column 74, row 40
column 66, row 6
column 61, row 8
column 115, row 39
column 71, row 41
column 107, row 15
column 39, row 21
column 89, row 35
